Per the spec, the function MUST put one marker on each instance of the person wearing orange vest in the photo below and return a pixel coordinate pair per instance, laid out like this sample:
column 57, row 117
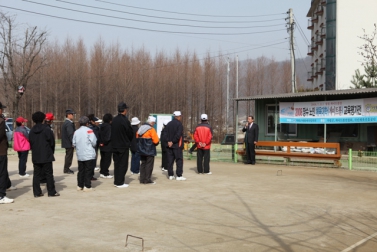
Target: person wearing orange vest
column 146, row 167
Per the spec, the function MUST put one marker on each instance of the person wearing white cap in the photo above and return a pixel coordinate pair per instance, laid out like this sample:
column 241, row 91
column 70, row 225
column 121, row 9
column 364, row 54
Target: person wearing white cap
column 203, row 137
column 174, row 139
column 147, row 161
column 135, row 156
column 164, row 145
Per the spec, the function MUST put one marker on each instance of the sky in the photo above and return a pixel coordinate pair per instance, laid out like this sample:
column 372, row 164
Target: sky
column 247, row 28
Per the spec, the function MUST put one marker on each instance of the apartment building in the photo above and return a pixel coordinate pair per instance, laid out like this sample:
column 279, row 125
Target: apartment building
column 336, row 27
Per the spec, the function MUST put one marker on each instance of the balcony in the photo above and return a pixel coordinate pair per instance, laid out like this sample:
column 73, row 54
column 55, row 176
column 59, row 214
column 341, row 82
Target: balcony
column 323, row 64
column 310, row 51
column 319, row 11
column 310, row 76
column 319, row 70
column 310, row 24
column 314, row 46
column 323, row 32
column 319, row 40
column 315, row 19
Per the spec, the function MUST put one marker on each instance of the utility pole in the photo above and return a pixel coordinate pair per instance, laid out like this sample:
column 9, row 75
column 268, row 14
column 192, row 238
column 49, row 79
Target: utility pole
column 292, row 49
column 227, row 95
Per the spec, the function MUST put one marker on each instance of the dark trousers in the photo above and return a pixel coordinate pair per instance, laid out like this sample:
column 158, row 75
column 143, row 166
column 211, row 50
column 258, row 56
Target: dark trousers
column 202, row 160
column 4, row 176
column 193, row 147
column 175, row 154
column 250, row 151
column 105, row 162
column 22, row 159
column 164, row 160
column 95, row 161
column 39, row 170
column 146, row 168
column 85, row 173
column 68, row 158
column 120, row 158
column 135, row 162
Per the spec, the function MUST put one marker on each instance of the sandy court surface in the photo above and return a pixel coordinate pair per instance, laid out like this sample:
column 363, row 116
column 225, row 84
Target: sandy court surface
column 237, row 208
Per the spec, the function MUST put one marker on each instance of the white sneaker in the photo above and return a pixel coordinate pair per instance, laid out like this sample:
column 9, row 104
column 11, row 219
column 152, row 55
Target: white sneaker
column 24, row 176
column 181, row 178
column 171, row 177
column 104, row 176
column 121, row 186
column 96, row 169
column 163, row 169
column 88, row 189
column 79, row 188
column 12, row 188
column 6, row 200
column 209, row 173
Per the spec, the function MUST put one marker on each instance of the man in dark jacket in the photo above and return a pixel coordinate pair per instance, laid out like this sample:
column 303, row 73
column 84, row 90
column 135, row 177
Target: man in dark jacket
column 164, row 147
column 5, row 182
column 174, row 138
column 135, row 156
column 251, row 138
column 121, row 137
column 42, row 144
column 68, row 129
column 94, row 125
column 106, row 150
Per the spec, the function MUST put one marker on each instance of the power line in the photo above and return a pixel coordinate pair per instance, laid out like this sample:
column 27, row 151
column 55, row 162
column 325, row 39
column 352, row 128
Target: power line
column 151, row 22
column 301, row 31
column 302, row 58
column 140, row 29
column 181, row 19
column 183, row 13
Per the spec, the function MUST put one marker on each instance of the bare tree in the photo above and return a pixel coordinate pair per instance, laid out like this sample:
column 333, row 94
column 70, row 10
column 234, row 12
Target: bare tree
column 20, row 57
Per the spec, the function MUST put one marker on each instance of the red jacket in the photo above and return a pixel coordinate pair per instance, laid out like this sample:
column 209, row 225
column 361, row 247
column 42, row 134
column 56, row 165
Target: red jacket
column 203, row 134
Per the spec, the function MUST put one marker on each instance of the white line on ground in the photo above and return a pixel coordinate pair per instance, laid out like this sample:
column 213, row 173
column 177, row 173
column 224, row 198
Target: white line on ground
column 359, row 243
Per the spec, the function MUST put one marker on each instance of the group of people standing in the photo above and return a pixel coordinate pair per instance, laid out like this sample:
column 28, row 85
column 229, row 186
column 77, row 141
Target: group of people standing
column 114, row 138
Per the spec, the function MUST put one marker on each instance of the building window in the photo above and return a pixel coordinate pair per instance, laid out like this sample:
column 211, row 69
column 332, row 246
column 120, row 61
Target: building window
column 283, row 129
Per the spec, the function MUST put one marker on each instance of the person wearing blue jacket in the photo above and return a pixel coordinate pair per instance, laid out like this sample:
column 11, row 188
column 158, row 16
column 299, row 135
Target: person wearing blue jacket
column 84, row 140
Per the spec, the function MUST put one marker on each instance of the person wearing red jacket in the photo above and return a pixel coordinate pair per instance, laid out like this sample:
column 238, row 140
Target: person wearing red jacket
column 203, row 137
column 21, row 145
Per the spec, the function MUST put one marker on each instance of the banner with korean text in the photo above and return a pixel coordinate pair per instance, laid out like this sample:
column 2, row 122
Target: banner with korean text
column 329, row 112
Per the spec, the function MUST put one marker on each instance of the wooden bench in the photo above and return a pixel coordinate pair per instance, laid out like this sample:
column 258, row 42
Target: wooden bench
column 289, row 154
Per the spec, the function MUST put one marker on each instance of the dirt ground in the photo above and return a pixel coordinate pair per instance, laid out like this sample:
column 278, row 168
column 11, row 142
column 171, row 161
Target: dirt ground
column 237, row 208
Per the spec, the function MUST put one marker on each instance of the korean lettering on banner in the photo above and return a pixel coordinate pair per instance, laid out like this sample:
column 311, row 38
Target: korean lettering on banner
column 340, row 111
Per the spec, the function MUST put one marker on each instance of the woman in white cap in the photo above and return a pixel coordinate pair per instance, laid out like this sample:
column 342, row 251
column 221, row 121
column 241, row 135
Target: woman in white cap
column 135, row 157
column 147, row 161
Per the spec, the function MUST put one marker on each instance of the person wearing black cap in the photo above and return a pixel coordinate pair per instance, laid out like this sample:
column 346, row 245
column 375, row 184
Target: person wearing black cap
column 121, row 137
column 68, row 129
column 93, row 124
column 42, row 143
column 5, row 182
